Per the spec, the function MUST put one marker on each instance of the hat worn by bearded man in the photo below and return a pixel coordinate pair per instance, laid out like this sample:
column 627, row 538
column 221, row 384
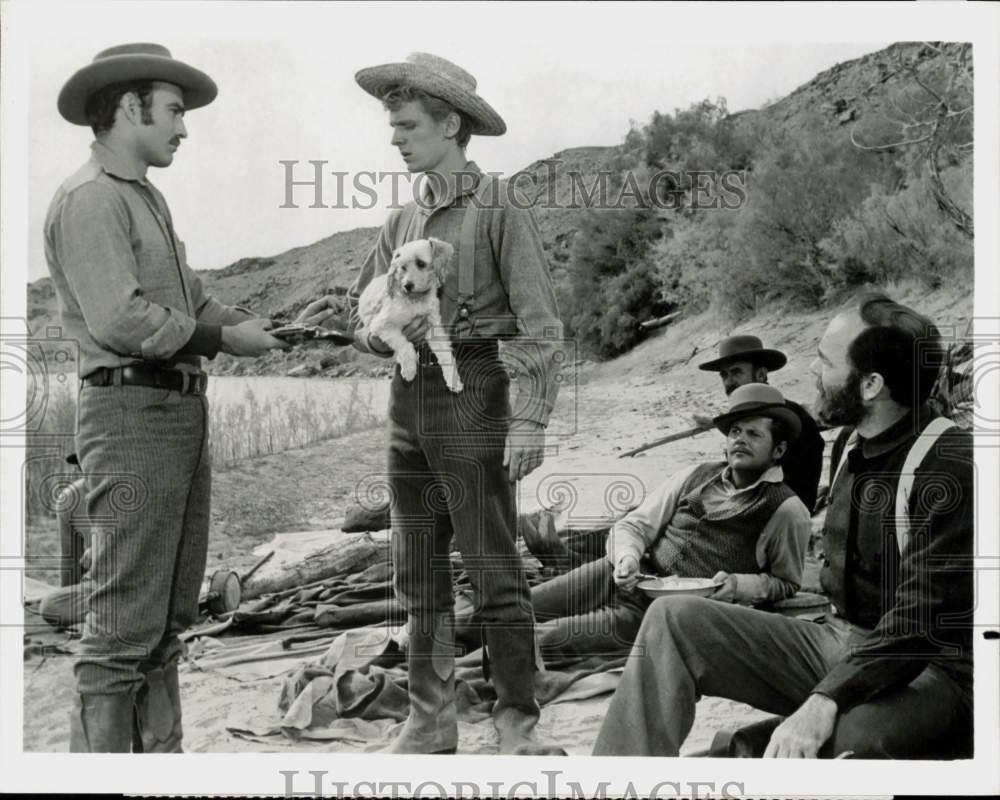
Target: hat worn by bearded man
column 745, row 348
column 133, row 62
column 438, row 77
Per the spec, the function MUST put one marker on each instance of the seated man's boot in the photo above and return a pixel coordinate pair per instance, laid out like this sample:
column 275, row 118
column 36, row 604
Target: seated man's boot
column 511, row 654
column 432, row 726
column 101, row 723
column 158, row 713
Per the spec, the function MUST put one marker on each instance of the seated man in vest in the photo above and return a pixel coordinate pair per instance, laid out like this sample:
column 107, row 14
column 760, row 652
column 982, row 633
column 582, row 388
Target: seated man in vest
column 887, row 673
column 734, row 521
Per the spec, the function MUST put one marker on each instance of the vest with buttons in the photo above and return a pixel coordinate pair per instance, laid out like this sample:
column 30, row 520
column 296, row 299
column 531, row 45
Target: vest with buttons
column 696, row 544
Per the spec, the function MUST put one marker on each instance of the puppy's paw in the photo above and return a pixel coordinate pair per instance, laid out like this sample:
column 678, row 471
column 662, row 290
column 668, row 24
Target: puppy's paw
column 408, row 368
column 452, row 380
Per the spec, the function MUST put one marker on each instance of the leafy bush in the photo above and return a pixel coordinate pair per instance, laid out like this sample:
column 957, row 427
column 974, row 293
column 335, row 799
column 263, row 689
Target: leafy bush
column 894, row 236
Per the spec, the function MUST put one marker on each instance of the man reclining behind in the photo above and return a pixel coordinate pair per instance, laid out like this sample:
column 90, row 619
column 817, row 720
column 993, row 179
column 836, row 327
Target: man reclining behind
column 735, row 521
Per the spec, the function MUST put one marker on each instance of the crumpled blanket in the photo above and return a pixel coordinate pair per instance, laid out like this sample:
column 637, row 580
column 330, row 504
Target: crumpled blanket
column 361, row 678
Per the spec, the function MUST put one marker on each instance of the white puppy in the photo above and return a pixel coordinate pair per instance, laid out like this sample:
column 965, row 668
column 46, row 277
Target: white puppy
column 410, row 289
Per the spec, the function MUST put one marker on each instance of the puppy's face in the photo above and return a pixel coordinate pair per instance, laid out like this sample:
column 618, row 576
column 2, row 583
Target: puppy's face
column 419, row 267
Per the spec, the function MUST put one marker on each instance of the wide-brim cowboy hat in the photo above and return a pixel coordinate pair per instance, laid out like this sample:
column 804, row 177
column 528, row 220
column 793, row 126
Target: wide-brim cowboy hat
column 440, row 78
column 133, row 62
column 758, row 400
column 745, row 348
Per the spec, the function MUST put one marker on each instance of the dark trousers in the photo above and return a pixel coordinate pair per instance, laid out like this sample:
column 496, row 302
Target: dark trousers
column 585, row 614
column 448, row 482
column 145, row 460
column 67, row 605
column 690, row 646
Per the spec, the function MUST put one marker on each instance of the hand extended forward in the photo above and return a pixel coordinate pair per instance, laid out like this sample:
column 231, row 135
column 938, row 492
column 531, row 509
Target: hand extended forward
column 250, row 338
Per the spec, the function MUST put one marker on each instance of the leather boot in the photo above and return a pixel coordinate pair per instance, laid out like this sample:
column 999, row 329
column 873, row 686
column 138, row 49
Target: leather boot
column 101, row 723
column 512, row 664
column 432, row 726
column 158, row 713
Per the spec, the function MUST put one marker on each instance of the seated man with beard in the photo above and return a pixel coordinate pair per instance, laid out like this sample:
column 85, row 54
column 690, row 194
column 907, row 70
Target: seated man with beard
column 735, row 521
column 887, row 673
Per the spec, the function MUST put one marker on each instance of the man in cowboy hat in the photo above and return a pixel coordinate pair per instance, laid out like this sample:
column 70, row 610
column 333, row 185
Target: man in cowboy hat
column 143, row 323
column 743, row 360
column 454, row 459
column 733, row 521
column 887, row 672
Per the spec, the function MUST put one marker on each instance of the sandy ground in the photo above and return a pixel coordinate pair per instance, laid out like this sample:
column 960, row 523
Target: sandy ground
column 603, row 410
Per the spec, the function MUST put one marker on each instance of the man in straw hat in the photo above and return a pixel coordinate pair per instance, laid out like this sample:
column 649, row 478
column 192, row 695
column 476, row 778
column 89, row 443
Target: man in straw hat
column 143, row 323
column 887, row 672
column 733, row 521
column 744, row 359
column 454, row 459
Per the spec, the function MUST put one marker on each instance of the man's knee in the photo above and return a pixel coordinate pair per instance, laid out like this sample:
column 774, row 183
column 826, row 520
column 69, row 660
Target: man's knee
column 678, row 613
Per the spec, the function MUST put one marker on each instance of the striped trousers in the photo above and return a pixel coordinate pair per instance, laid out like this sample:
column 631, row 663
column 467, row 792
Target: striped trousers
column 145, row 459
column 449, row 483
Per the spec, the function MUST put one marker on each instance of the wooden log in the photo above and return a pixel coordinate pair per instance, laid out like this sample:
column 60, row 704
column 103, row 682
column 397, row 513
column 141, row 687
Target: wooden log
column 339, row 559
column 659, row 322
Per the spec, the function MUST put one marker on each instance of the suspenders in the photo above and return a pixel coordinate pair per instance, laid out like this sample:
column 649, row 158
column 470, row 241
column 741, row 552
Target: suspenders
column 411, row 227
column 918, row 451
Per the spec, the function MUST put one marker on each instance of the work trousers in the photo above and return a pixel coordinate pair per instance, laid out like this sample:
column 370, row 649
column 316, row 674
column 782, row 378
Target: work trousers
column 145, row 459
column 583, row 613
column 448, row 482
column 690, row 646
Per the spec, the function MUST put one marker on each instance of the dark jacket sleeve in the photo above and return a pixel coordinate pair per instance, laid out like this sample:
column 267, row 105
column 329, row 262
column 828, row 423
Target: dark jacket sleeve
column 930, row 617
column 803, row 465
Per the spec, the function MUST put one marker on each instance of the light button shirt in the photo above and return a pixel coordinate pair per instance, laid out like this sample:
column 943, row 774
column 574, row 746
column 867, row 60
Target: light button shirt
column 126, row 292
column 780, row 549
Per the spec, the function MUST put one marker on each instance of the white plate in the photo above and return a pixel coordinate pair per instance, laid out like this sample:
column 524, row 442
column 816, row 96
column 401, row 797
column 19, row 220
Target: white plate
column 673, row 585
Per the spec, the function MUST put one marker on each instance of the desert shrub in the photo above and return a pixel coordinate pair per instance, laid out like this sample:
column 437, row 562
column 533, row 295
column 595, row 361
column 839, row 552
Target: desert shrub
column 796, row 192
column 894, row 236
column 616, row 285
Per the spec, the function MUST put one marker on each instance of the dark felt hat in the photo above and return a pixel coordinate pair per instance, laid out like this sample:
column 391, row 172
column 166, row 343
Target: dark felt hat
column 133, row 62
column 758, row 400
column 745, row 348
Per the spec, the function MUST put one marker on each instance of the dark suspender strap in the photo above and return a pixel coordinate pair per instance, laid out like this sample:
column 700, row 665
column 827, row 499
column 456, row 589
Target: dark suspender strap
column 467, row 250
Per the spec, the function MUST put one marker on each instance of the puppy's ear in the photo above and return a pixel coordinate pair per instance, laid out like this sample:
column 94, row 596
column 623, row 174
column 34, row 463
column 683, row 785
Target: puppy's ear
column 442, row 253
column 392, row 279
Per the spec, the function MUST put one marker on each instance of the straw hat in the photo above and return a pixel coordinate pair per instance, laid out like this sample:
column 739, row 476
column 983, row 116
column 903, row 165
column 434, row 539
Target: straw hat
column 133, row 62
column 758, row 400
column 745, row 348
column 437, row 77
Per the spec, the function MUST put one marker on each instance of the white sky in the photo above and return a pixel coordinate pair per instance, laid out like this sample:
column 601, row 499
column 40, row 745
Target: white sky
column 286, row 91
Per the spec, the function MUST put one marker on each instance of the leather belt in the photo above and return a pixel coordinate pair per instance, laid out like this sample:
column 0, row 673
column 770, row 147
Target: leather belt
column 155, row 377
column 463, row 350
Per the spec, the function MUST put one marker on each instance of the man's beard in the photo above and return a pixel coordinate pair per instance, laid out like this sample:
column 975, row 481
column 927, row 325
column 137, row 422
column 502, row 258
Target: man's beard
column 841, row 406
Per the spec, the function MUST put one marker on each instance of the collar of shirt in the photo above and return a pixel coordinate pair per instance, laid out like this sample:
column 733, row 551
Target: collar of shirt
column 459, row 184
column 771, row 475
column 114, row 164
column 900, row 432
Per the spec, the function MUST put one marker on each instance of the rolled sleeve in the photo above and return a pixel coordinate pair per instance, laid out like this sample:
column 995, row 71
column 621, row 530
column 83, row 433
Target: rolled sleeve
column 96, row 253
column 376, row 263
column 781, row 552
column 538, row 350
column 637, row 530
column 208, row 309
